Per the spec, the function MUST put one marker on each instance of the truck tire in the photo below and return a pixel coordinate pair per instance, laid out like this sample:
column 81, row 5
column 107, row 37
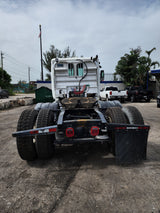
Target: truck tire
column 107, row 104
column 45, row 143
column 25, row 145
column 114, row 115
column 133, row 115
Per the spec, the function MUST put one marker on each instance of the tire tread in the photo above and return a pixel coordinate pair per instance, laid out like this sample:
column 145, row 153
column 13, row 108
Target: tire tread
column 25, row 145
column 44, row 143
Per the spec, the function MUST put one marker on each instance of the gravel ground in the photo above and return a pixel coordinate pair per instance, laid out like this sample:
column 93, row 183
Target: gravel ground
column 79, row 180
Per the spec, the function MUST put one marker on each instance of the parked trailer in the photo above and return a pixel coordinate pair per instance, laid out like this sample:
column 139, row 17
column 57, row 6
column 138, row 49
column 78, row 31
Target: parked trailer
column 78, row 116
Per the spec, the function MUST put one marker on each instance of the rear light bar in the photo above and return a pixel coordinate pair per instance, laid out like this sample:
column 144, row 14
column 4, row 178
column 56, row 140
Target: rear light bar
column 69, row 132
column 43, row 131
column 130, row 128
column 94, row 130
column 37, row 131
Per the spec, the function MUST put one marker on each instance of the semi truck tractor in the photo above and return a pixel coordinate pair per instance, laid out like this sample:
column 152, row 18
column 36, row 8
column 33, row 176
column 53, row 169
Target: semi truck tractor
column 78, row 116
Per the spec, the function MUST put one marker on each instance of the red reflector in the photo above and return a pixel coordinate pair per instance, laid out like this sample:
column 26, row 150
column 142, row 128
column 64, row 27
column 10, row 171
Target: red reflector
column 53, row 130
column 34, row 132
column 120, row 127
column 143, row 127
column 131, row 128
column 110, row 92
column 94, row 130
column 69, row 132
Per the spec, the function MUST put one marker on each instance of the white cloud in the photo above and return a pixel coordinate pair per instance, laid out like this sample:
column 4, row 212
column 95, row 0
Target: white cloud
column 107, row 28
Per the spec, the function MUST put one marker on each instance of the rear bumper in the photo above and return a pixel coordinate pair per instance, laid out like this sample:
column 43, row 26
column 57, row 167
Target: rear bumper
column 97, row 139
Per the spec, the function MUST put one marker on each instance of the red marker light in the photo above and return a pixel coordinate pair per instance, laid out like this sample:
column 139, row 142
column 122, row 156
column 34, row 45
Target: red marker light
column 34, row 132
column 120, row 127
column 95, row 130
column 143, row 127
column 53, row 130
column 69, row 132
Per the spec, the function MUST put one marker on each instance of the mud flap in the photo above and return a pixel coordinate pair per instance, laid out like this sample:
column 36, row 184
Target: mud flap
column 130, row 142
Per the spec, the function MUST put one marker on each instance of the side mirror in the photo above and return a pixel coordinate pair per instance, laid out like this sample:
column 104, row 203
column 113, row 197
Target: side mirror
column 102, row 75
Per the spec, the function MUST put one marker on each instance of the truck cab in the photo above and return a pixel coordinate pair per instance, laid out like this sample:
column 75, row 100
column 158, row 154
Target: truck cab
column 75, row 76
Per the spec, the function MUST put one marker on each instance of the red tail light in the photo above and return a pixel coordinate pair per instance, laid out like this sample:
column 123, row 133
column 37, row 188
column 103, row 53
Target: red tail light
column 53, row 130
column 95, row 130
column 120, row 127
column 33, row 132
column 110, row 92
column 69, row 132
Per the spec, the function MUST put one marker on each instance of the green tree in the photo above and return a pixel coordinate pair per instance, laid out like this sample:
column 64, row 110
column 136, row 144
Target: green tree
column 150, row 63
column 5, row 79
column 55, row 53
column 49, row 55
column 134, row 68
column 68, row 53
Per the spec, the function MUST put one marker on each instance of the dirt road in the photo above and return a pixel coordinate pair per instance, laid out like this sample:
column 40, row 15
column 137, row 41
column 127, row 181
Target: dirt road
column 79, row 180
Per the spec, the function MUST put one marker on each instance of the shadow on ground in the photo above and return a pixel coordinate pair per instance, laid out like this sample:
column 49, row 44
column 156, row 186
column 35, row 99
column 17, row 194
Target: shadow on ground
column 93, row 157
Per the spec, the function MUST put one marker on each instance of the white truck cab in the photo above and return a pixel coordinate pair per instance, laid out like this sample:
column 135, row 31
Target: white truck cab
column 70, row 75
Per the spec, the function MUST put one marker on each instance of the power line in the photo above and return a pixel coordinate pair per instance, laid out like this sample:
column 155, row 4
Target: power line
column 14, row 59
column 17, row 69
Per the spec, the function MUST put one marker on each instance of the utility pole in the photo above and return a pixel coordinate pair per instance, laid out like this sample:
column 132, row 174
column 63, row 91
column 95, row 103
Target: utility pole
column 40, row 36
column 29, row 75
column 2, row 66
column 2, row 60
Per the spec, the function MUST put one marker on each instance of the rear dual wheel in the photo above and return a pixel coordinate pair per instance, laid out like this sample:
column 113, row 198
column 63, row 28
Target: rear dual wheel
column 26, row 145
column 133, row 115
column 43, row 147
column 114, row 115
column 45, row 143
column 126, row 115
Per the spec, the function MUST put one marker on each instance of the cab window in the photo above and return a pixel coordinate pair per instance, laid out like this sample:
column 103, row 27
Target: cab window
column 80, row 69
column 70, row 69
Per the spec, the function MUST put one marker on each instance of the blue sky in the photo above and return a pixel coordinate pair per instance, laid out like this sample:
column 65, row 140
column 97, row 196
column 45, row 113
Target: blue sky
column 107, row 28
